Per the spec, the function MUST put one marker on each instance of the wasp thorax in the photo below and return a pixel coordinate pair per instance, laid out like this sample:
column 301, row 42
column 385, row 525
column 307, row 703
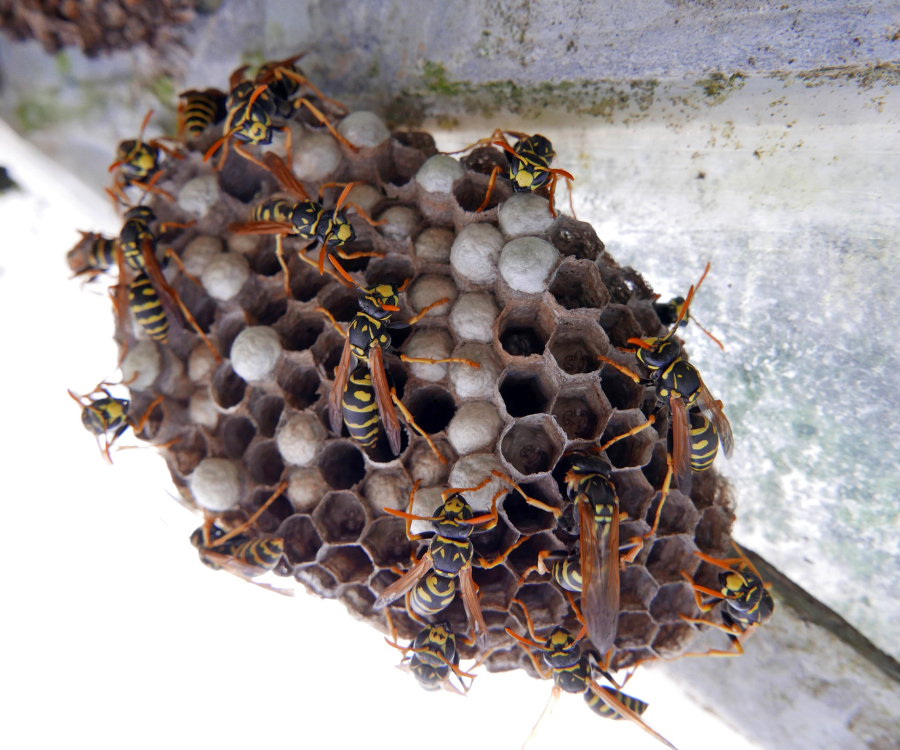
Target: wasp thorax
column 453, row 514
column 143, row 213
column 662, row 352
column 373, row 301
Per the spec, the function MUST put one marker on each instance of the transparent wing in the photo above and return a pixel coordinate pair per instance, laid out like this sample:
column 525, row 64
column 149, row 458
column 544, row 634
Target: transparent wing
column 335, row 415
column 719, row 420
column 262, row 227
column 681, row 444
column 383, row 398
column 406, row 583
column 600, row 587
column 546, row 713
column 620, row 708
column 473, row 608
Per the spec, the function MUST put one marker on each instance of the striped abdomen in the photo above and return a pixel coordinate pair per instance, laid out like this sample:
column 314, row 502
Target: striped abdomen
column 147, row 308
column 432, row 594
column 601, row 709
column 202, row 109
column 134, row 234
column 704, row 441
column 360, row 408
column 260, row 554
column 273, row 209
column 567, row 572
column 102, row 254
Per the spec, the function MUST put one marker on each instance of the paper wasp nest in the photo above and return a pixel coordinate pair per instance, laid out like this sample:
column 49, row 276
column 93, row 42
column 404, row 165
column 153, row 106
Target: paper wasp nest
column 532, row 298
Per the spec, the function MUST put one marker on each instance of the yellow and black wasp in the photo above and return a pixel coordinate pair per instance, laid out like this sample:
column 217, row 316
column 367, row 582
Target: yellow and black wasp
column 573, row 671
column 450, row 554
column 432, row 657
column 140, row 164
column 298, row 215
column 255, row 110
column 529, row 165
column 237, row 553
column 92, row 255
column 366, row 341
column 102, row 416
column 676, row 310
column 197, row 110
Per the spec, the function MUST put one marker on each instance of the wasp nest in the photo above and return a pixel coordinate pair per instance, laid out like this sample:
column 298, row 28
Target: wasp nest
column 531, row 297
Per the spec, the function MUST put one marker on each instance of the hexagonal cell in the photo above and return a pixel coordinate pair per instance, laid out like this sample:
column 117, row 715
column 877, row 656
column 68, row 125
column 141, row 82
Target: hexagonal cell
column 669, row 557
column 483, row 159
column 266, row 311
column 199, row 304
column 525, row 518
column 392, row 269
column 672, row 639
column 633, row 451
column 546, row 605
column 575, row 238
column 340, row 517
column 679, row 516
column 490, row 544
column 620, row 325
column 267, row 411
column 410, row 150
column 300, row 385
column 673, row 600
column 471, row 188
column 237, row 434
column 342, row 465
column 327, row 351
column 620, row 390
column 634, row 493
column 347, row 564
column 340, row 302
column 272, row 517
column 318, row 580
column 228, row 328
column 713, row 532
column 575, row 345
column 228, row 387
column 264, row 261
column 423, row 466
column 264, row 463
column 241, row 179
column 187, row 453
column 299, row 332
column 617, row 284
column 637, row 588
column 497, row 586
column 582, row 411
column 525, row 555
column 432, row 407
column 386, row 542
column 506, row 660
column 623, row 659
column 358, row 599
column 636, row 629
column 524, row 328
column 533, row 445
column 381, row 452
column 386, row 489
column 306, row 282
column 655, row 469
column 708, row 488
column 577, row 285
column 301, row 540
column 526, row 390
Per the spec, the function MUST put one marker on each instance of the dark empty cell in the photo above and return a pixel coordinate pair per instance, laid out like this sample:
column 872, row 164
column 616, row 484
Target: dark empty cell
column 198, row 303
column 713, row 532
column 574, row 354
column 347, row 564
column 531, row 448
column 267, row 411
column 472, row 188
column 575, row 238
column 341, row 517
column 489, row 544
column 637, row 588
column 139, row 406
column 707, row 489
column 392, row 269
column 673, row 600
column 631, row 451
column 342, row 465
column 496, row 587
column 524, row 393
column 270, row 312
column 637, row 283
column 525, row 518
column 634, row 493
column 300, row 386
column 318, row 580
column 386, row 542
column 525, row 555
column 655, row 470
column 546, row 604
column 621, row 391
column 432, row 408
column 358, row 599
column 272, row 517
column 575, row 416
column 306, row 282
column 237, row 435
column 264, row 463
column 301, row 540
column 228, row 329
column 616, row 284
column 361, row 245
column 620, row 325
column 636, row 629
column 227, row 386
column 669, row 557
column 340, row 302
column 672, row 639
column 265, row 261
column 483, row 159
column 522, row 341
column 241, row 178
column 416, row 139
column 302, row 333
column 578, row 285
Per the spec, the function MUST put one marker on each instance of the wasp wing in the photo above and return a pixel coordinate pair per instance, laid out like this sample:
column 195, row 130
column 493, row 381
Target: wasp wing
column 405, row 583
column 284, row 175
column 383, row 398
column 620, row 708
column 681, row 444
column 337, row 390
column 261, row 227
column 473, row 608
column 167, row 296
column 599, row 578
column 719, row 420
column 240, row 569
column 546, row 713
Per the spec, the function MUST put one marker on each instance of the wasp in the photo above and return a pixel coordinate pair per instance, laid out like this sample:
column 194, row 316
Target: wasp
column 366, row 341
column 450, row 553
column 573, row 671
column 748, row 603
column 529, row 165
column 305, row 218
column 93, row 255
column 102, row 416
column 679, row 386
column 255, row 110
column 671, row 311
column 197, row 110
column 140, row 165
column 235, row 552
column 432, row 657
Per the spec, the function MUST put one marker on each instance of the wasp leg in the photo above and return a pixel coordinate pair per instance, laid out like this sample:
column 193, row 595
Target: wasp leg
column 412, row 423
column 487, row 565
column 497, row 134
column 530, row 500
column 309, row 261
column 304, row 81
column 528, row 621
column 351, row 256
column 170, row 253
column 142, row 422
column 250, row 521
column 633, row 431
column 540, row 567
column 248, row 156
column 667, row 483
column 624, row 370
column 279, row 253
column 331, row 320
column 487, row 197
column 324, row 120
column 429, row 361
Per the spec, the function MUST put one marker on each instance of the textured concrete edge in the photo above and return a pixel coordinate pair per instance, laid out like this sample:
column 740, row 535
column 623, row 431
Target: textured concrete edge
column 810, row 609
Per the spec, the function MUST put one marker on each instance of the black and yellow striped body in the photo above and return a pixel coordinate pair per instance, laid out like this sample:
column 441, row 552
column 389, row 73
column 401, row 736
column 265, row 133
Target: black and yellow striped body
column 451, row 556
column 567, row 571
column 135, row 233
column 434, row 651
column 588, row 481
column 273, row 209
column 746, row 598
column 601, row 709
column 102, row 253
column 529, row 168
column 139, row 160
column 202, row 109
column 259, row 554
column 364, row 331
column 432, row 594
column 282, row 88
column 106, row 415
column 335, row 230
column 704, row 441
column 668, row 312
column 359, row 407
column 147, row 308
column 251, row 124
column 307, row 219
column 678, row 379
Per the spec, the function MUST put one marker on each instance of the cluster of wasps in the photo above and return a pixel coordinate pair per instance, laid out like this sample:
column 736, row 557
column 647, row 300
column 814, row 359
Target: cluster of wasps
column 364, row 400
